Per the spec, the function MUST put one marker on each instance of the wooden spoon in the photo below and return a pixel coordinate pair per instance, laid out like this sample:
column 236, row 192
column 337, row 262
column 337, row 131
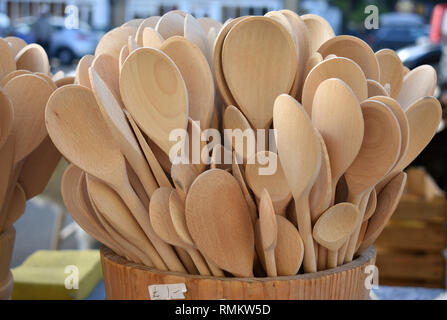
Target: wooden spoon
column 355, row 49
column 418, row 83
column 120, row 129
column 208, row 23
column 152, row 38
column 133, row 23
column 375, row 89
column 112, row 42
column 196, row 73
column 33, row 58
column 221, row 158
column 72, row 109
column 254, row 83
column 268, row 230
column 155, row 94
column 334, row 227
column 337, row 115
column 387, row 202
column 170, row 24
column 82, row 76
column 341, row 68
column 183, row 175
column 7, row 63
column 29, row 111
column 64, row 81
column 150, row 22
column 194, row 32
column 6, row 117
column 47, row 78
column 289, row 250
column 300, row 153
column 371, row 205
column 270, row 177
column 7, row 155
column 132, row 44
column 12, row 75
column 377, row 156
column 16, row 44
column 159, row 212
column 124, row 53
column 391, row 74
column 220, row 225
column 107, row 68
column 311, row 63
column 320, row 31
column 16, row 208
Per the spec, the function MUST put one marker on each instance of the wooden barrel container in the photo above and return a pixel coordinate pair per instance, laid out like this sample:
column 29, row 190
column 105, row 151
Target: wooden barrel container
column 126, row 280
column 6, row 247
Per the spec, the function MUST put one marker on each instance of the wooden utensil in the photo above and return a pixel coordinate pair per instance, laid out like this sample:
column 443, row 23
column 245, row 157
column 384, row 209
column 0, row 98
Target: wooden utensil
column 33, row 58
column 300, row 153
column 88, row 151
column 155, row 94
column 7, row 63
column 320, row 31
column 387, row 202
column 64, row 81
column 289, row 250
column 117, row 214
column 334, row 227
column 38, row 168
column 29, row 111
column 47, row 78
column 391, row 73
column 268, row 230
column 311, row 63
column 221, row 158
column 16, row 44
column 183, row 175
column 269, row 176
column 120, row 129
column 6, row 117
column 152, row 38
column 337, row 115
column 198, row 151
column 355, row 49
column 219, row 77
column 379, row 152
column 15, row 210
column 7, row 155
column 112, row 42
column 194, row 32
column 238, row 172
column 147, row 23
column 124, row 53
column 196, row 73
column 254, row 83
column 208, row 23
column 375, row 89
column 11, row 75
column 341, row 68
column 107, row 68
column 371, row 205
column 133, row 23
column 159, row 212
column 170, row 24
column 418, row 83
column 226, row 231
column 132, row 44
column 82, row 76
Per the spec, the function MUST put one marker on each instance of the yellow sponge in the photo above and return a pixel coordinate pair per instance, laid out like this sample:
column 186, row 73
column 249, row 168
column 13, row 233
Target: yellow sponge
column 61, row 275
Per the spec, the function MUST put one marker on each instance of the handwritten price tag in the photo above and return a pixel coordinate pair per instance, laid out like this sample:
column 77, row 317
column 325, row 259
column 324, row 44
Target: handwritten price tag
column 167, row 291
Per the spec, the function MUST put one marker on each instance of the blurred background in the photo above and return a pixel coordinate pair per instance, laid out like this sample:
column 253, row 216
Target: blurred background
column 417, row 30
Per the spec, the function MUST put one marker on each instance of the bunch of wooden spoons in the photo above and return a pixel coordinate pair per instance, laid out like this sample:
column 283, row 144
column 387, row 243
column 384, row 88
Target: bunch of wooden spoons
column 306, row 198
column 27, row 155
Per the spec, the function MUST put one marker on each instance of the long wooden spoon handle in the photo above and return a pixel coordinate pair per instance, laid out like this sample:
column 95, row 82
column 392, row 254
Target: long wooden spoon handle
column 199, row 262
column 216, row 271
column 187, row 261
column 305, row 227
column 322, row 258
column 270, row 263
column 332, row 259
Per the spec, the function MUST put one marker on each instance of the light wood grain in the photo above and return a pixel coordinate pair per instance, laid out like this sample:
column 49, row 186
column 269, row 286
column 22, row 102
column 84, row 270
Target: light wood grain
column 33, row 58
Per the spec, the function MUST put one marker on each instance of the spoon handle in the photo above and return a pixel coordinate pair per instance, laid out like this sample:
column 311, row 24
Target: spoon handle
column 305, row 227
column 187, row 261
column 322, row 258
column 199, row 262
column 332, row 259
column 216, row 271
column 270, row 263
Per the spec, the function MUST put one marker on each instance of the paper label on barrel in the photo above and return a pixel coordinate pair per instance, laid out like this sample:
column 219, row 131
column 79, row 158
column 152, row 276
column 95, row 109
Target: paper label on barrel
column 167, row 291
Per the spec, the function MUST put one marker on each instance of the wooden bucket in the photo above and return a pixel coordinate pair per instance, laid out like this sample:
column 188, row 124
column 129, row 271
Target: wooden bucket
column 126, row 280
column 6, row 247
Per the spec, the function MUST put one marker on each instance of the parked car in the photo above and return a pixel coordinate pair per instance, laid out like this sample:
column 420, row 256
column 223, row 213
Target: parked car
column 66, row 44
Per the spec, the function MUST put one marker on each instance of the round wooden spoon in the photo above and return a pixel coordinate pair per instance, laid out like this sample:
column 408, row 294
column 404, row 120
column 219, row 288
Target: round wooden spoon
column 311, row 63
column 124, row 53
column 261, row 176
column 194, row 32
column 334, row 227
column 337, row 115
column 72, row 110
column 150, row 22
column 33, row 58
column 152, row 38
column 183, row 175
column 300, row 153
column 341, row 68
column 391, row 74
column 120, row 129
column 319, row 29
column 387, row 202
column 254, row 83
column 355, row 49
column 170, row 24
column 375, row 89
column 7, row 155
column 379, row 153
column 7, row 63
column 418, row 83
column 196, row 73
column 16, row 44
column 112, row 42
column 217, row 219
column 12, row 75
column 155, row 94
column 29, row 112
column 82, row 76
column 107, row 68
column 289, row 250
column 6, row 117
